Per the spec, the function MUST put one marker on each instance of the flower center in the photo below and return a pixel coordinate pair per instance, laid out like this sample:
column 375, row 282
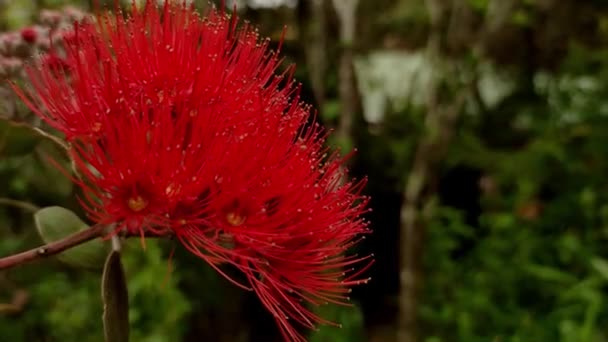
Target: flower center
column 235, row 218
column 137, row 203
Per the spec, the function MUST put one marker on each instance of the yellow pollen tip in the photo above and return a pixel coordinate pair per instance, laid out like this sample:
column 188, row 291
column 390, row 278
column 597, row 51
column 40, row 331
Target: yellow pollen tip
column 235, row 219
column 96, row 127
column 137, row 203
column 172, row 189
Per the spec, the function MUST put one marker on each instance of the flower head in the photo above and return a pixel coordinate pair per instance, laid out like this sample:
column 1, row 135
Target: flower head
column 183, row 123
column 29, row 34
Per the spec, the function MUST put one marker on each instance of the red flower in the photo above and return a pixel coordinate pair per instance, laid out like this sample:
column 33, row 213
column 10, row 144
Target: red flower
column 182, row 123
column 29, row 34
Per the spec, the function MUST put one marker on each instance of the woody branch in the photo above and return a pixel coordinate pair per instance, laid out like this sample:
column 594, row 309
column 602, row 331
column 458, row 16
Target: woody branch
column 66, row 243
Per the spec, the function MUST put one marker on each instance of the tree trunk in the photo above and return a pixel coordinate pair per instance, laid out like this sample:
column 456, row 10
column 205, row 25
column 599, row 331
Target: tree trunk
column 439, row 122
column 315, row 49
column 346, row 10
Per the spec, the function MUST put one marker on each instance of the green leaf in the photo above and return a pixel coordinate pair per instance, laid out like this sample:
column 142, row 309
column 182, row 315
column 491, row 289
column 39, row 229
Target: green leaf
column 55, row 223
column 547, row 273
column 115, row 300
column 601, row 266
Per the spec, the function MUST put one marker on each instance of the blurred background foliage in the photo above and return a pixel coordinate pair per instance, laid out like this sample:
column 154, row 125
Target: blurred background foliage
column 482, row 126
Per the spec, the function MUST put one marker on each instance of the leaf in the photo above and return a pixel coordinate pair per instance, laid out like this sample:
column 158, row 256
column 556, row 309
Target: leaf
column 115, row 300
column 55, row 223
column 547, row 273
column 601, row 266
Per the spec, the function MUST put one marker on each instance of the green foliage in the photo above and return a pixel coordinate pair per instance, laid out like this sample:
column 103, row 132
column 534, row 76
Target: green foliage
column 535, row 267
column 66, row 306
column 18, row 13
column 350, row 320
column 16, row 140
column 156, row 305
column 480, row 5
column 331, row 111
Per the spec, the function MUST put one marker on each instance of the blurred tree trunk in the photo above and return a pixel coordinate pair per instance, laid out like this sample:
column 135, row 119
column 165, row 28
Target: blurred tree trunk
column 315, row 45
column 439, row 122
column 346, row 10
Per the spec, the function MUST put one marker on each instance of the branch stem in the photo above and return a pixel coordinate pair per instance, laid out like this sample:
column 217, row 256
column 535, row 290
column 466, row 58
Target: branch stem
column 51, row 248
column 19, row 204
column 68, row 242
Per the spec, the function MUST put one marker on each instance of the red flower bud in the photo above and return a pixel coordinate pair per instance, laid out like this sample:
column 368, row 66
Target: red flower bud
column 29, row 34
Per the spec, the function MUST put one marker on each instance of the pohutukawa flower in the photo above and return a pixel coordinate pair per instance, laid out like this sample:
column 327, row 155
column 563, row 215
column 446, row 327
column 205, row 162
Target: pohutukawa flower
column 29, row 34
column 182, row 122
